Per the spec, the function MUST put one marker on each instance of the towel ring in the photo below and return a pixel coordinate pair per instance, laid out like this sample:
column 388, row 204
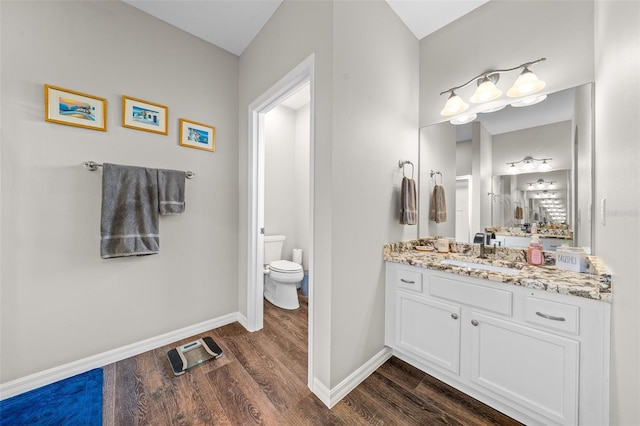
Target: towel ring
column 401, row 165
column 436, row 179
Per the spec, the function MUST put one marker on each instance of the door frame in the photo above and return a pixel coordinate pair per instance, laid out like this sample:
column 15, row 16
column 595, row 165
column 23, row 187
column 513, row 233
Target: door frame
column 301, row 75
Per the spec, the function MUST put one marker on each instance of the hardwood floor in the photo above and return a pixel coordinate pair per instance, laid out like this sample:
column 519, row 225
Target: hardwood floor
column 261, row 379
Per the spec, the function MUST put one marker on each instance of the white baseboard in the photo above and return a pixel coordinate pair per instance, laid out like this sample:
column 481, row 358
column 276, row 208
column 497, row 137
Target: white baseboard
column 33, row 381
column 331, row 397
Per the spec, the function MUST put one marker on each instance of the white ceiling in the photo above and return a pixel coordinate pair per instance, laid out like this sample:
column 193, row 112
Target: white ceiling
column 233, row 24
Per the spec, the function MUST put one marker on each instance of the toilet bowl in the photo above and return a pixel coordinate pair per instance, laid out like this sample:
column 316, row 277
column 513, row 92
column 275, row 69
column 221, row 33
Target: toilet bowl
column 281, row 277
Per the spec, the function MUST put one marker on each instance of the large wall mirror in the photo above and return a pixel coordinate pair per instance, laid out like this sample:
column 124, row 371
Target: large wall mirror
column 510, row 168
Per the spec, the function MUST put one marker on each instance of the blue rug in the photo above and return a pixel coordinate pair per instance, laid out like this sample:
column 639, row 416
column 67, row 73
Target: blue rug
column 69, row 402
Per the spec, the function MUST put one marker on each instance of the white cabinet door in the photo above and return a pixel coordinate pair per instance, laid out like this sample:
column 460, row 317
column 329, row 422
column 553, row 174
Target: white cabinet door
column 428, row 329
column 533, row 368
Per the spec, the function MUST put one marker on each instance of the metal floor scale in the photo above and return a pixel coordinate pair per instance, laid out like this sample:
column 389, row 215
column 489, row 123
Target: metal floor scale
column 192, row 354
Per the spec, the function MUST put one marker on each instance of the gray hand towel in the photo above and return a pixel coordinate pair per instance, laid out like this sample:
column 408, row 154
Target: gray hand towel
column 438, row 211
column 408, row 211
column 129, row 222
column 171, row 191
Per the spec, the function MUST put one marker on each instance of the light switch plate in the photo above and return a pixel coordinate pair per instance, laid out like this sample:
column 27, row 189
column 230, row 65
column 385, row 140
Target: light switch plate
column 603, row 211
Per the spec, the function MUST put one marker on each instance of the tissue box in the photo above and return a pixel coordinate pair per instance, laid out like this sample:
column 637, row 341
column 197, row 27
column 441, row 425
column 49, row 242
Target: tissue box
column 571, row 259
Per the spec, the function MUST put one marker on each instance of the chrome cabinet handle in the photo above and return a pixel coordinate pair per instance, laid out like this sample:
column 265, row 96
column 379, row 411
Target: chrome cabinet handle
column 474, row 323
column 407, row 282
column 549, row 317
column 454, row 316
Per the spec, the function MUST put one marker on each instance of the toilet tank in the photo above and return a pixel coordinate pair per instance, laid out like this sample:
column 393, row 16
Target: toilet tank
column 273, row 248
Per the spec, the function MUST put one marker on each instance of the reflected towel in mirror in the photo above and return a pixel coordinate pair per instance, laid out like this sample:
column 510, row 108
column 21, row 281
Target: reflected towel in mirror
column 438, row 211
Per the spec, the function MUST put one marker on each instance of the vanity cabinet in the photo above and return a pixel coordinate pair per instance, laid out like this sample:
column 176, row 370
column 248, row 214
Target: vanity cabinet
column 537, row 356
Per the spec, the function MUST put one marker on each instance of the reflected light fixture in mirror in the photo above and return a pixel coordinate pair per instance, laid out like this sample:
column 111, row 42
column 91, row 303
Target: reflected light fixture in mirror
column 528, row 164
column 526, row 84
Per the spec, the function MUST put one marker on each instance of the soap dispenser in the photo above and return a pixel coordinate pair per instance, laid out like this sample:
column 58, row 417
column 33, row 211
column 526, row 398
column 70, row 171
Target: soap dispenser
column 534, row 251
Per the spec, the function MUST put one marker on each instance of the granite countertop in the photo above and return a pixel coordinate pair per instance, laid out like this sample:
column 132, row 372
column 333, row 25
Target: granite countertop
column 594, row 284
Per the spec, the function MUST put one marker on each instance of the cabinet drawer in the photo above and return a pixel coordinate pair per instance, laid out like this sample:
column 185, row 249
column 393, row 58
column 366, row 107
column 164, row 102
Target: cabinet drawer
column 479, row 296
column 408, row 279
column 554, row 315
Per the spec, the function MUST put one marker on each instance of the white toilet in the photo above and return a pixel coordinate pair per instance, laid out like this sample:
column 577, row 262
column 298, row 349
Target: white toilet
column 281, row 277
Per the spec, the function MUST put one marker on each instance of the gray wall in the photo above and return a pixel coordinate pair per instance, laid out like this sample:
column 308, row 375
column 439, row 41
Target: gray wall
column 286, row 203
column 56, row 291
column 294, row 32
column 617, row 67
column 365, row 121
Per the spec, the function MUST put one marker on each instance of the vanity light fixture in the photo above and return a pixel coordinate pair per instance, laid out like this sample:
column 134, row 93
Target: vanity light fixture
column 487, row 90
column 455, row 105
column 529, row 164
column 529, row 101
column 463, row 119
column 526, row 84
column 540, row 184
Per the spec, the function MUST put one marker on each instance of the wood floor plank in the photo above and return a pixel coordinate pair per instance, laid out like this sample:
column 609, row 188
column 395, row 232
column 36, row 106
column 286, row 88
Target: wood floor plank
column 108, row 395
column 131, row 398
column 278, row 383
column 262, row 379
column 466, row 409
column 404, row 404
column 401, row 372
column 310, row 411
column 240, row 397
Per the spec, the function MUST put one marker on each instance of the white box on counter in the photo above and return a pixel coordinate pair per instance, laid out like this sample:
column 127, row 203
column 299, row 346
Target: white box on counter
column 571, row 259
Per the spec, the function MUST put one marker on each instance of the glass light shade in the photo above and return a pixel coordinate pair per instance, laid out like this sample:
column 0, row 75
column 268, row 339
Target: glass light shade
column 513, row 170
column 526, row 84
column 455, row 105
column 529, row 101
column 544, row 167
column 493, row 109
column 487, row 91
column 527, row 165
column 463, row 119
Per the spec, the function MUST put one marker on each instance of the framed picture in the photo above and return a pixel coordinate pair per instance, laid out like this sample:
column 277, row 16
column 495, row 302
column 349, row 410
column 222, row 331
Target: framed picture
column 142, row 115
column 197, row 135
column 66, row 106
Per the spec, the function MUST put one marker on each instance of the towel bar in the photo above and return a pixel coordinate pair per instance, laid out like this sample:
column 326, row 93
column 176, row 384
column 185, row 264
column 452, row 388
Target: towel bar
column 92, row 166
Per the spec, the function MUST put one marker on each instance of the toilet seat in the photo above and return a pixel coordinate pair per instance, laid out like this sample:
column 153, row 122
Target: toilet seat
column 285, row 267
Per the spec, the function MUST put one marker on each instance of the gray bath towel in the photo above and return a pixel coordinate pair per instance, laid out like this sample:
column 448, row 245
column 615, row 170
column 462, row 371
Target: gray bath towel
column 129, row 222
column 438, row 211
column 408, row 210
column 171, row 191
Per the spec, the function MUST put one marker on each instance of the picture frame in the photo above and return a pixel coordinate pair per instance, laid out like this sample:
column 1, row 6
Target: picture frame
column 64, row 106
column 144, row 115
column 197, row 135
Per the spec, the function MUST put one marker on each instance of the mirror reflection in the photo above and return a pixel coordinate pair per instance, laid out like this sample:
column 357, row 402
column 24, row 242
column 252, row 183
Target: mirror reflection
column 510, row 169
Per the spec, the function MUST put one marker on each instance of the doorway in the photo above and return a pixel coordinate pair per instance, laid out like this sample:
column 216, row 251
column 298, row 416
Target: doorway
column 296, row 79
column 463, row 209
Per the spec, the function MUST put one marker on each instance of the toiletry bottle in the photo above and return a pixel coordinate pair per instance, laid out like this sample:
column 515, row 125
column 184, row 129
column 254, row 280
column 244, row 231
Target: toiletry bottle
column 534, row 251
